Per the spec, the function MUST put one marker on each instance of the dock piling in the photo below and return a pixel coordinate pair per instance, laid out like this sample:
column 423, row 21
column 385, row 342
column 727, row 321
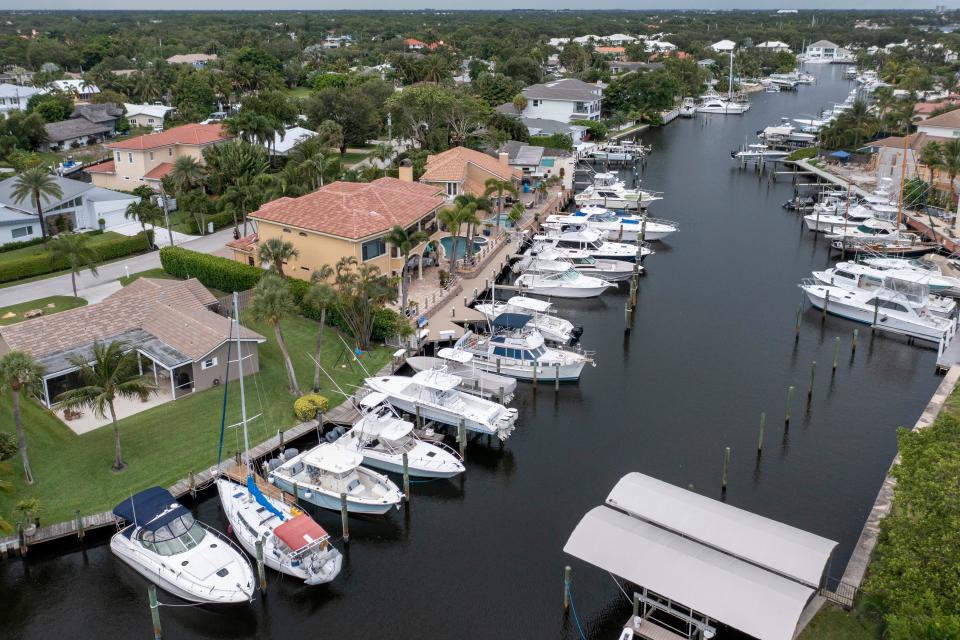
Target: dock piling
column 836, row 352
column 826, row 303
column 876, row 312
column 566, row 588
column 344, row 524
column 155, row 612
column 789, row 404
column 763, row 423
column 193, row 486
column 813, row 370
column 406, row 478
column 726, row 465
column 556, row 378
column 799, row 314
column 79, row 521
column 462, row 438
column 853, row 345
column 261, row 571
column 498, row 366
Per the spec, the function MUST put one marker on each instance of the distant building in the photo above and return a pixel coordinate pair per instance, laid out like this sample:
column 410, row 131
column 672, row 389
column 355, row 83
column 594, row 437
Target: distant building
column 195, row 60
column 14, row 96
column 147, row 115
column 774, row 45
column 946, row 125
column 544, row 127
column 539, row 163
column 16, row 75
column 460, row 170
column 412, row 44
column 81, row 90
column 88, row 124
column 564, row 100
column 724, row 46
column 291, row 137
column 822, row 51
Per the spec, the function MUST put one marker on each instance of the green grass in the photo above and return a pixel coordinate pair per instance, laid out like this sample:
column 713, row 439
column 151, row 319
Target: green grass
column 833, row 623
column 349, row 159
column 299, row 92
column 37, row 249
column 149, row 273
column 161, row 445
column 60, row 303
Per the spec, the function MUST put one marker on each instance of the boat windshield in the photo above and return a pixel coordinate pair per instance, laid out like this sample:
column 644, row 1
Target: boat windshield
column 606, row 217
column 569, row 275
column 179, row 535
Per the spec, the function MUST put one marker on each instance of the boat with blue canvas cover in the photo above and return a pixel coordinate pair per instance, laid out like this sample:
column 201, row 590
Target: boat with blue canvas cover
column 165, row 544
column 618, row 228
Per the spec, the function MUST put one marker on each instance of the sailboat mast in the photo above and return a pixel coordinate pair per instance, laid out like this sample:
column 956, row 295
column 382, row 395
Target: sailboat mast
column 730, row 79
column 243, row 399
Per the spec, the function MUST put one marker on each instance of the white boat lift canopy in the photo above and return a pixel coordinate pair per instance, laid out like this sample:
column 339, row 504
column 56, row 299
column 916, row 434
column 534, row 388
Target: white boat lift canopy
column 743, row 570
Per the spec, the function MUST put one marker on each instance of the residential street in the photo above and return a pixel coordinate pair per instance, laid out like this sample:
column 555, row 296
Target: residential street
column 92, row 287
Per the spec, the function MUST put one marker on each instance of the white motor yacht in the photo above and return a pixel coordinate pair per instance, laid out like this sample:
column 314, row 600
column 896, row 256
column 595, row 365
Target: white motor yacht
column 382, row 437
column 473, row 379
column 165, row 544
column 552, row 327
column 578, row 237
column 609, row 191
column 609, row 270
column 863, row 276
column 319, row 476
column 879, row 227
column 757, row 152
column 438, row 398
column 559, row 280
column 618, row 228
column 515, row 349
column 613, row 152
column 721, row 105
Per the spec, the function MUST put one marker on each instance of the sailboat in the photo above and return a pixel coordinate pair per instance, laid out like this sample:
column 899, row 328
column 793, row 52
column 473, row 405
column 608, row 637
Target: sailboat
column 290, row 540
column 714, row 103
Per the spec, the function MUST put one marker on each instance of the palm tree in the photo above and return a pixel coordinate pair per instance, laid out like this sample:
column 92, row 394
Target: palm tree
column 516, row 213
column 361, row 290
column 951, row 161
column 271, row 303
column 860, row 118
column 482, row 204
column 244, row 196
column 187, row 173
column 275, row 252
column 109, row 372
column 20, row 372
column 932, row 158
column 519, row 103
column 499, row 187
column 453, row 218
column 36, row 183
column 75, row 250
column 321, row 295
column 404, row 242
column 383, row 152
column 145, row 211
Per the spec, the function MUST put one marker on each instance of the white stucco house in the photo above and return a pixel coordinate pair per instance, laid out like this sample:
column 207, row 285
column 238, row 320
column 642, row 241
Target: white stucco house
column 14, row 96
column 80, row 89
column 563, row 100
column 83, row 204
column 147, row 115
column 724, row 46
column 822, row 51
column 774, row 46
column 945, row 125
column 282, row 144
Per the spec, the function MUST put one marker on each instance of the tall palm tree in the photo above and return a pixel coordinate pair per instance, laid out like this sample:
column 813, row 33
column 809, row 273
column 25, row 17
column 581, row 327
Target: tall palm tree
column 75, row 250
column 453, row 218
column 404, row 242
column 20, row 372
column 321, row 294
column 244, row 196
column 932, row 158
column 951, row 162
column 110, row 372
column 145, row 211
column 272, row 301
column 862, row 122
column 187, row 174
column 384, row 153
column 499, row 187
column 276, row 251
column 361, row 290
column 482, row 204
column 36, row 184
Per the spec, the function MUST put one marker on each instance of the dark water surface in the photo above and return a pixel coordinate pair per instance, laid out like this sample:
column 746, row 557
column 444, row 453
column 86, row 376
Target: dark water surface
column 712, row 347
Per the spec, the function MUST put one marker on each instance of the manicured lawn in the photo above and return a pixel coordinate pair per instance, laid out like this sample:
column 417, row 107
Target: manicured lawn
column 163, row 444
column 299, row 92
column 37, row 249
column 833, row 623
column 149, row 273
column 50, row 305
column 348, row 159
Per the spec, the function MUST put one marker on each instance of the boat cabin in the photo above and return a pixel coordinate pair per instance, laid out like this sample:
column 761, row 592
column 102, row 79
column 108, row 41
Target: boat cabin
column 332, row 468
column 160, row 523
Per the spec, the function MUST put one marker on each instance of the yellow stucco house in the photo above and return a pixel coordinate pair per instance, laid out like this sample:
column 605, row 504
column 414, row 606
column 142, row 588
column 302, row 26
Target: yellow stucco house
column 343, row 219
column 146, row 159
column 460, row 170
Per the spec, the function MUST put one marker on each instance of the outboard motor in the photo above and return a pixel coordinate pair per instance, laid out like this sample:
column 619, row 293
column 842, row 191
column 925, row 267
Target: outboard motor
column 290, row 453
column 576, row 333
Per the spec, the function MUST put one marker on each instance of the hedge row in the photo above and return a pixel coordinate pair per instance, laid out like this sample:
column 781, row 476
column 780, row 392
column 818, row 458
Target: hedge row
column 40, row 264
column 11, row 246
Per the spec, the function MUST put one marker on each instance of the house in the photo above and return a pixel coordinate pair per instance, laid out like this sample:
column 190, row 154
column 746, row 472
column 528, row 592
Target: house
column 344, row 219
column 822, row 51
column 88, row 124
column 923, row 110
column 611, row 52
column 544, row 127
column 945, row 125
column 16, row 75
column 537, row 163
column 724, row 46
column 618, row 39
column 564, row 100
column 461, row 170
column 774, row 46
column 284, row 142
column 146, row 159
column 13, row 96
column 890, row 151
column 147, row 115
column 80, row 89
column 412, row 44
column 195, row 60
column 179, row 341
column 660, row 45
column 618, row 67
column 82, row 205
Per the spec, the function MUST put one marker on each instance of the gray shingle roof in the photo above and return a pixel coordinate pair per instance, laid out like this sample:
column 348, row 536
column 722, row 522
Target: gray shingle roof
column 74, row 128
column 101, row 113
column 70, row 188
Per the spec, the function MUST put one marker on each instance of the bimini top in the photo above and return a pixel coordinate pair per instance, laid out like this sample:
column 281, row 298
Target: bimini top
column 511, row 321
column 373, row 399
column 150, row 509
column 531, row 304
column 300, row 532
column 439, row 380
column 333, row 458
column 455, row 355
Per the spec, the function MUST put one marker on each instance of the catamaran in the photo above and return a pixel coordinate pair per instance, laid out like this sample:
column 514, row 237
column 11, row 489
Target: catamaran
column 165, row 544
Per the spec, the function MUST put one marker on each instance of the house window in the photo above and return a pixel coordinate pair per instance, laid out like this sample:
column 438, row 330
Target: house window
column 150, row 120
column 286, row 230
column 170, row 152
column 19, row 232
column 536, row 103
column 250, row 261
column 130, row 158
column 118, row 156
column 373, row 249
column 209, row 362
column 151, row 155
column 452, row 188
column 302, row 233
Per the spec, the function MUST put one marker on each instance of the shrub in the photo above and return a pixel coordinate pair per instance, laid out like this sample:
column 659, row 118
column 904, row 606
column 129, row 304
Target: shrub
column 8, row 445
column 308, row 406
column 212, row 271
column 803, row 154
column 11, row 246
column 39, row 264
column 387, row 323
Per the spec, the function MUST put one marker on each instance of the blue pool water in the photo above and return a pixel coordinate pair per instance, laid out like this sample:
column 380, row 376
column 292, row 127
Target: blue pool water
column 461, row 245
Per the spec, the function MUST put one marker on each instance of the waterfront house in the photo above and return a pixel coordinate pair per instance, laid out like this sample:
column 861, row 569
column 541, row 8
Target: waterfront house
column 82, row 205
column 461, row 170
column 822, row 51
column 14, row 96
column 180, row 341
column 774, row 46
column 195, row 60
column 80, row 89
column 538, row 163
column 147, row 115
column 88, row 124
column 146, row 159
column 616, row 53
column 724, row 46
column 343, row 219
column 544, row 127
column 564, row 100
column 945, row 125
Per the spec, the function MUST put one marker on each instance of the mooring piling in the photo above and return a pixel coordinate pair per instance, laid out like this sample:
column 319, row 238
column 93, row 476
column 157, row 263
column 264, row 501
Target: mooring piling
column 462, row 437
column 155, row 612
column 261, row 571
column 789, row 404
column 556, row 378
column 566, row 588
column 344, row 522
column 763, row 422
column 406, row 478
column 853, row 345
column 813, row 370
column 836, row 352
column 726, row 465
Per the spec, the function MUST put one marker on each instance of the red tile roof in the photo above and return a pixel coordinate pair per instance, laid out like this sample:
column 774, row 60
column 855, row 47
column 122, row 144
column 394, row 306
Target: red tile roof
column 451, row 166
column 355, row 210
column 158, row 171
column 413, row 42
column 189, row 134
column 102, row 167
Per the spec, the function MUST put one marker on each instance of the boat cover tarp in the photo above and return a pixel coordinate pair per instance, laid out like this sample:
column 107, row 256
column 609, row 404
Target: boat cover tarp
column 151, row 508
column 299, row 532
column 511, row 321
column 758, row 602
column 840, row 155
column 260, row 498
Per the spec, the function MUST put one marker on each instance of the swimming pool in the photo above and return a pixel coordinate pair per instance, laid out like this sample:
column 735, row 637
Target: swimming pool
column 447, row 243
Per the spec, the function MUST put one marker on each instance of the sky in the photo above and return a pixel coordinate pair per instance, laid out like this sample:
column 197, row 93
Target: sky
column 666, row 5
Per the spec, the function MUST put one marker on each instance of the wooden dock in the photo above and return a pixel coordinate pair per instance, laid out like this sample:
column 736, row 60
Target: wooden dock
column 650, row 630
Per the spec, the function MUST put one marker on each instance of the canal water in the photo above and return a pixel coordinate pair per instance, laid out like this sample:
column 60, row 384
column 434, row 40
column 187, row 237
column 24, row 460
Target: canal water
column 711, row 348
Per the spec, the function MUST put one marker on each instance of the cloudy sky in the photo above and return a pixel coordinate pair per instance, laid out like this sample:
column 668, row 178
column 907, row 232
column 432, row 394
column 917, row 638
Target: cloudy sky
column 666, row 5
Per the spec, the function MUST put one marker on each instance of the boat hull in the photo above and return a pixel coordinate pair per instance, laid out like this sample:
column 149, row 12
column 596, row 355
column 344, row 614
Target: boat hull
column 326, row 500
column 838, row 307
column 563, row 292
column 546, row 373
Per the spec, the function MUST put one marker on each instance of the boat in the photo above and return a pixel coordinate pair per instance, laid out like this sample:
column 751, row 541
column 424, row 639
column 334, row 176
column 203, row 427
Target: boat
column 613, row 153
column 878, row 227
column 518, row 350
column 688, row 108
column 291, row 541
column 756, row 152
column 729, row 105
column 436, row 395
column 608, row 190
column 382, row 437
column 617, row 228
column 901, row 245
column 473, row 379
column 577, row 237
column 165, row 544
column 609, row 270
column 915, row 264
column 559, row 280
column 887, row 309
column 550, row 326
column 323, row 474
column 855, row 274
column 850, row 73
column 772, row 87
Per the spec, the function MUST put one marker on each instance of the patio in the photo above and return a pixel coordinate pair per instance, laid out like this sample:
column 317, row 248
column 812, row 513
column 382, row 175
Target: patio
column 124, row 407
